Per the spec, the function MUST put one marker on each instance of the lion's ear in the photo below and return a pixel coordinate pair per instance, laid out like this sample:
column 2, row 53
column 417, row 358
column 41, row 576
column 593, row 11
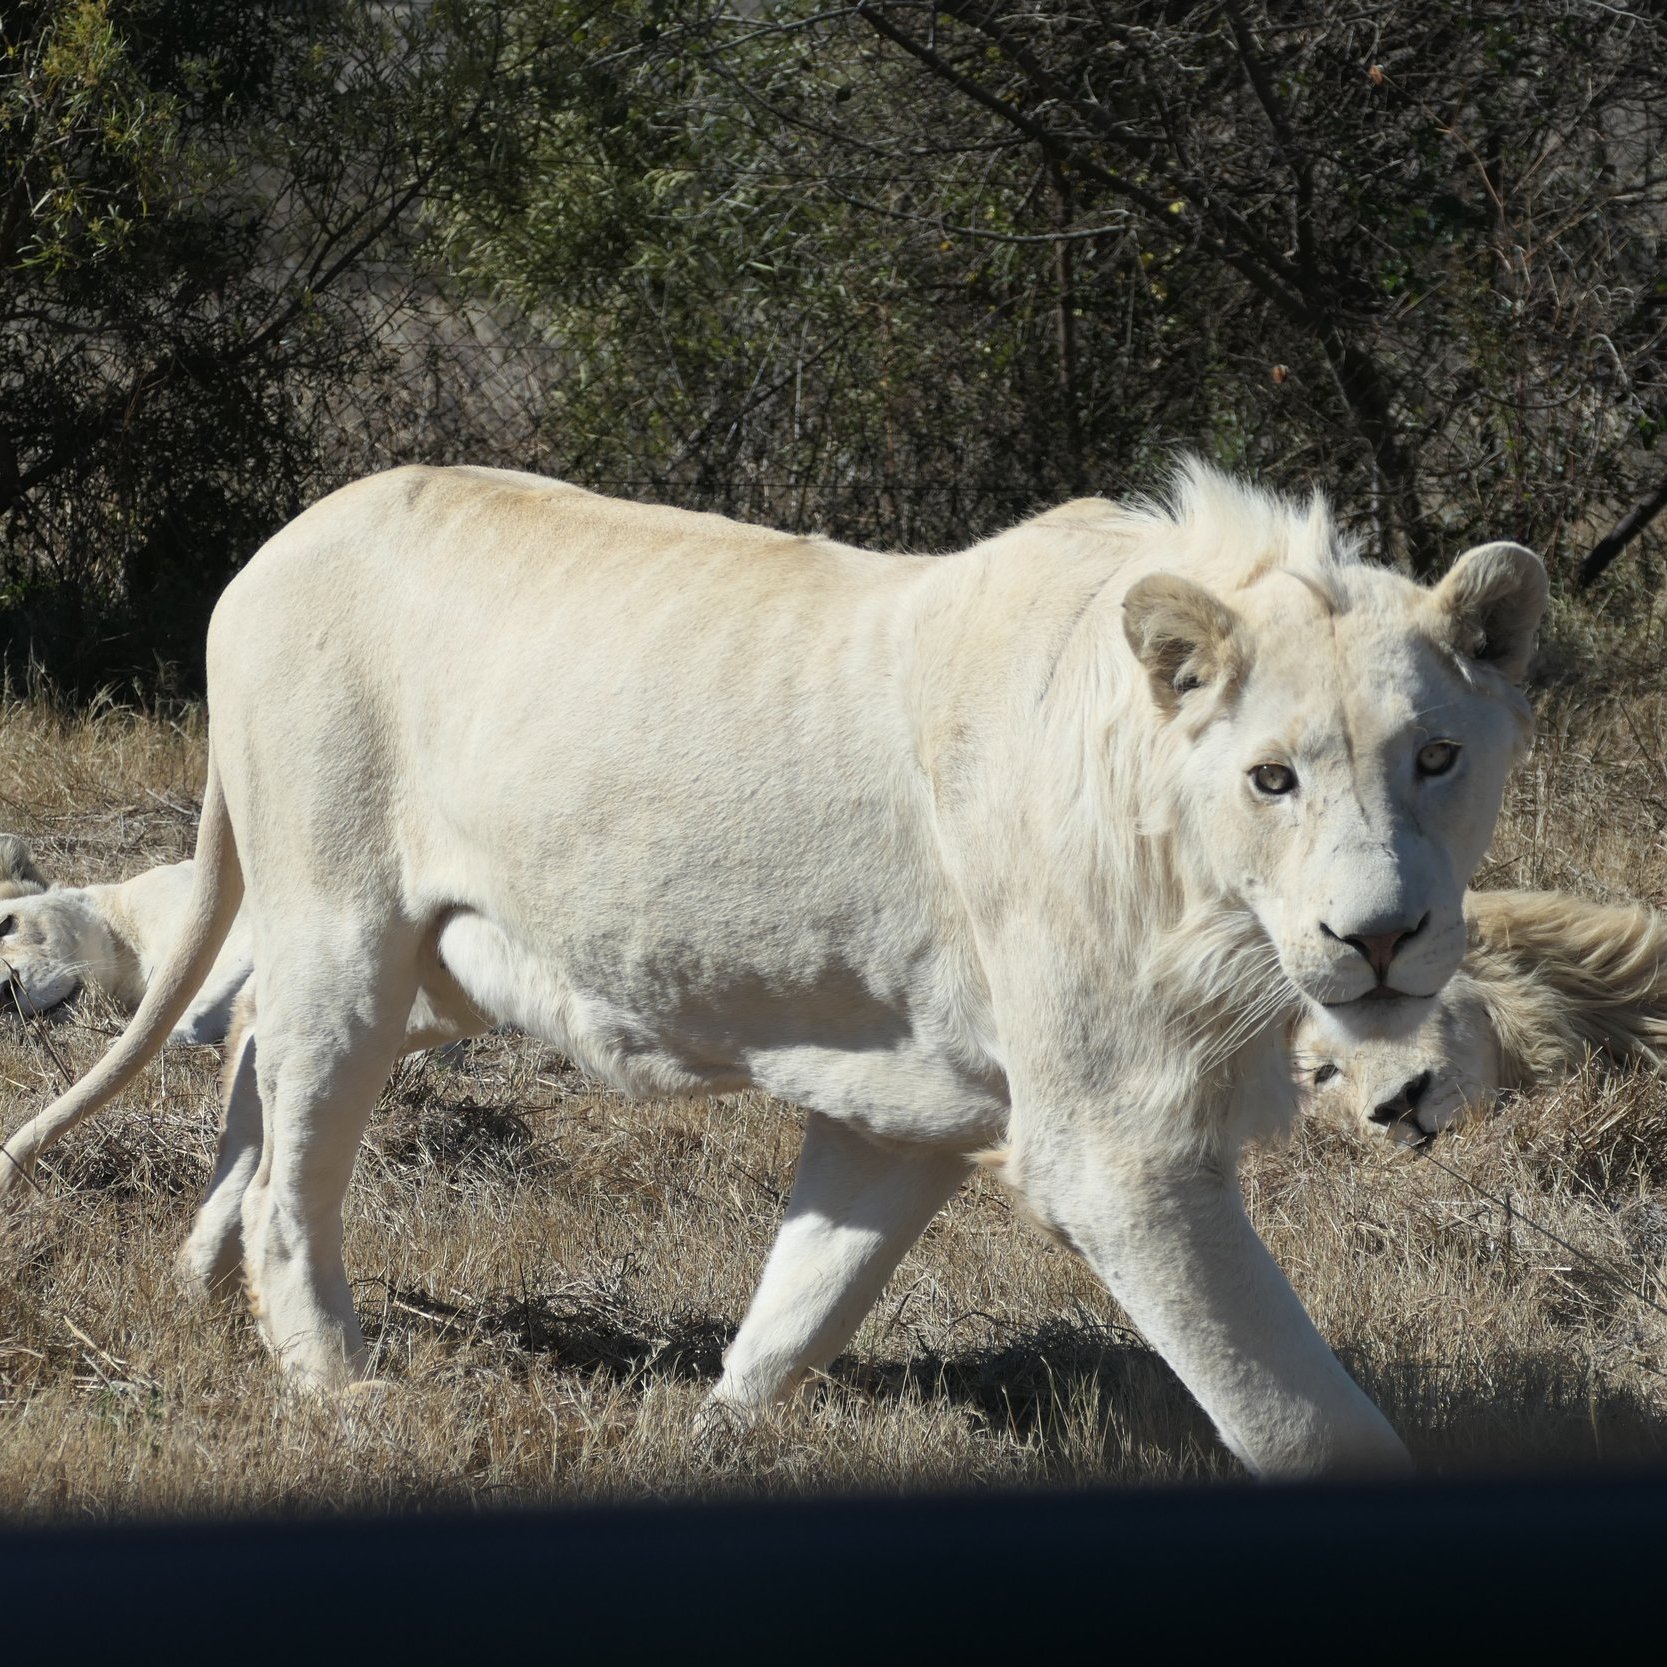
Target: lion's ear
column 1493, row 597
column 1184, row 637
column 17, row 861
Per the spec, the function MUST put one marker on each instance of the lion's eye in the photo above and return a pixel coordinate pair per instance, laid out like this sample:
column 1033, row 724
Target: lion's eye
column 1276, row 780
column 8, row 926
column 1324, row 1073
column 1437, row 758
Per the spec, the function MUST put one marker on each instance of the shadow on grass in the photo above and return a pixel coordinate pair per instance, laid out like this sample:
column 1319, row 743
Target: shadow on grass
column 1046, row 1384
column 1036, row 1386
column 1086, row 1394
column 587, row 1327
column 131, row 1159
column 450, row 1137
column 1517, row 1411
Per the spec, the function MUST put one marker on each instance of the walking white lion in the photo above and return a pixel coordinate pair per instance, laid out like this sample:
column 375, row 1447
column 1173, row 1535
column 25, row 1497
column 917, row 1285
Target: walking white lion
column 1037, row 844
column 1550, row 980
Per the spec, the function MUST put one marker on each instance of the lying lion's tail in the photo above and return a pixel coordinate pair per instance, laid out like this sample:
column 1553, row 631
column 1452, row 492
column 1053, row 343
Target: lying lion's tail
column 216, row 894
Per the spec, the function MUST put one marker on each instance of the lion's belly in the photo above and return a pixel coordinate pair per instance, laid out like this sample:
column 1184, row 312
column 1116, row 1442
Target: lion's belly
column 826, row 1043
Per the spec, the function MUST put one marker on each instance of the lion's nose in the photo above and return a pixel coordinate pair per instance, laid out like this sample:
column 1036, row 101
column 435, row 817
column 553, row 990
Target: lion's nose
column 1403, row 1103
column 1381, row 947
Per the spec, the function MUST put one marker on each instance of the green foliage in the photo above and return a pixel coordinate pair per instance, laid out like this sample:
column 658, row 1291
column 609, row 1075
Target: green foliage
column 195, row 197
column 907, row 272
column 900, row 272
column 740, row 331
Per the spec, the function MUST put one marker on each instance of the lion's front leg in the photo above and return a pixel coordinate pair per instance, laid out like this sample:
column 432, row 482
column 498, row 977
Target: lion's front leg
column 856, row 1208
column 1169, row 1236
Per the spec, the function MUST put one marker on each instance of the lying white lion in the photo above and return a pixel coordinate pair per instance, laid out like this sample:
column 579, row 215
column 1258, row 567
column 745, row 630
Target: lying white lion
column 1550, row 979
column 1038, row 844
column 55, row 942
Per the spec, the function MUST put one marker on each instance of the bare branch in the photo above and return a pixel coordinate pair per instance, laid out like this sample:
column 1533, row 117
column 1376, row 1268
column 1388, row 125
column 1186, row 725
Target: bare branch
column 1628, row 528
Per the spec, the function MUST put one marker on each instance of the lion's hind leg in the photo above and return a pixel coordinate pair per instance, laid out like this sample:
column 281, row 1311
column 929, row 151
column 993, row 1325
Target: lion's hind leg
column 332, row 1020
column 856, row 1207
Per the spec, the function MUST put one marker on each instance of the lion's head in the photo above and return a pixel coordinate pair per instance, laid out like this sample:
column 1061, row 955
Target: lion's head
column 1551, row 980
column 19, row 879
column 1338, row 742
column 1401, row 1070
column 51, row 943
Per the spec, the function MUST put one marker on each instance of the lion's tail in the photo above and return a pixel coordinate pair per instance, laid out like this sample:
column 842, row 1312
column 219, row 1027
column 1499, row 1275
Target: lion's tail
column 216, row 894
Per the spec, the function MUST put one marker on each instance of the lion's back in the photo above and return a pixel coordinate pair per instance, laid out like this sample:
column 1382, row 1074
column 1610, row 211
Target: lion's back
column 493, row 684
column 497, row 528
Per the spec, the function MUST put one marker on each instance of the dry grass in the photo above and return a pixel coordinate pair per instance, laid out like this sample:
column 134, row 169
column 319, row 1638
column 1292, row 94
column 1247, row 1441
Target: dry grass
column 550, row 1274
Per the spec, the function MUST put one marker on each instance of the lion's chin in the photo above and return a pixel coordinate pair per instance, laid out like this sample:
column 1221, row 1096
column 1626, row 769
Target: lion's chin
column 1381, row 1014
column 18, row 995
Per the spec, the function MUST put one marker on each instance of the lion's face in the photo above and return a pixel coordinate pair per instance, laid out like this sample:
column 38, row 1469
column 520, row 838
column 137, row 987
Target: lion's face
column 47, row 944
column 1405, row 1070
column 1342, row 740
column 1353, row 809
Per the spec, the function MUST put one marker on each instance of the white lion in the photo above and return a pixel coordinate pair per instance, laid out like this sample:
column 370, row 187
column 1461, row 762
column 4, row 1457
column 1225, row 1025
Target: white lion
column 1550, row 980
column 56, row 941
column 1035, row 844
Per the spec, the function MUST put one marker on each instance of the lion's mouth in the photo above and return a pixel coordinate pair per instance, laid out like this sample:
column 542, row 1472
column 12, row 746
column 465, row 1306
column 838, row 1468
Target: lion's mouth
column 1381, row 994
